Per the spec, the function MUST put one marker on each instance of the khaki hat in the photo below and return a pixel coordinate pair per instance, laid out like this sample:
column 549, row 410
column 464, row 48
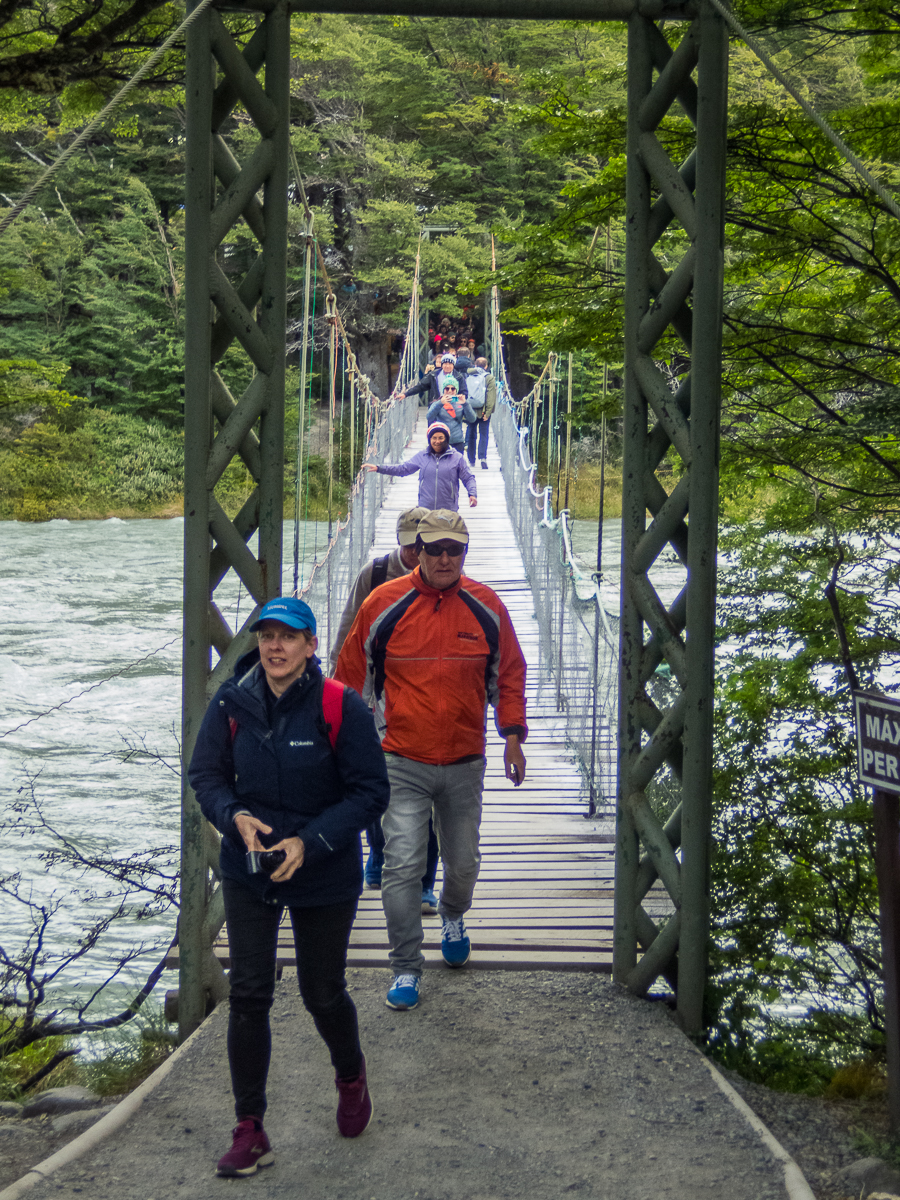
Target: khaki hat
column 443, row 523
column 407, row 525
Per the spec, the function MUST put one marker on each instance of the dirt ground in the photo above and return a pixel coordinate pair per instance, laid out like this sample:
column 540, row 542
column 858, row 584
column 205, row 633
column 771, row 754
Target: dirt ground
column 501, row 1084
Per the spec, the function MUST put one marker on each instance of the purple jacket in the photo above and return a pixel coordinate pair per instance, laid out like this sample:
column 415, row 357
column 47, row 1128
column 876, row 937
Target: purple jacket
column 439, row 477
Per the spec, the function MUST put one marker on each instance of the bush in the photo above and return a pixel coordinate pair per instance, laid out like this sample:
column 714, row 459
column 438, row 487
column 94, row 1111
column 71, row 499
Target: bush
column 796, row 990
column 90, row 465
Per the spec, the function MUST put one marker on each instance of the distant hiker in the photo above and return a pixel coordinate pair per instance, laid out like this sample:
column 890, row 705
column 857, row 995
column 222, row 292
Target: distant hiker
column 454, row 411
column 289, row 769
column 463, row 363
column 441, row 471
column 483, row 400
column 432, row 651
column 401, row 560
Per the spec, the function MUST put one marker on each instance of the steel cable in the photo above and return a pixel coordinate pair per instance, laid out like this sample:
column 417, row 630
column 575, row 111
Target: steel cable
column 107, row 111
column 835, row 138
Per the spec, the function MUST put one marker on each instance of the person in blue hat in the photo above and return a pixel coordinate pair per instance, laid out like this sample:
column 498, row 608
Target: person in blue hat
column 289, row 768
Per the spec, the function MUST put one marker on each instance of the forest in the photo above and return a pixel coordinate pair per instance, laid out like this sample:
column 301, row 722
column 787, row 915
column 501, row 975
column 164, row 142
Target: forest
column 516, row 131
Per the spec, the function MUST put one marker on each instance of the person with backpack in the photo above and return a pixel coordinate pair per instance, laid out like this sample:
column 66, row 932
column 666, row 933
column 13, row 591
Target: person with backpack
column 431, row 651
column 288, row 767
column 483, row 400
column 400, row 561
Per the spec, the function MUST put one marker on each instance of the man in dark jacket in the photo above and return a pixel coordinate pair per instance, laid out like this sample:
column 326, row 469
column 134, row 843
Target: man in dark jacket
column 434, row 382
column 269, row 777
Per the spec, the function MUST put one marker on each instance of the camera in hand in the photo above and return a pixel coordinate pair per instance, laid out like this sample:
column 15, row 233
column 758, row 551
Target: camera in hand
column 264, row 861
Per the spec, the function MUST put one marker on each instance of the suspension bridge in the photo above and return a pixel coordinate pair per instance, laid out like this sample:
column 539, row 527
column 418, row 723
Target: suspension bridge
column 582, row 871
column 545, row 893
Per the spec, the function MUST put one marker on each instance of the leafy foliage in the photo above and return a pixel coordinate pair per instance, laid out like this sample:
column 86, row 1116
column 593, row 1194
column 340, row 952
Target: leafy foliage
column 797, row 957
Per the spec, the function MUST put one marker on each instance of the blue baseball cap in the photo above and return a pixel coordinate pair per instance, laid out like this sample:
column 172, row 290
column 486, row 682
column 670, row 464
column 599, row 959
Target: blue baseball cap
column 289, row 611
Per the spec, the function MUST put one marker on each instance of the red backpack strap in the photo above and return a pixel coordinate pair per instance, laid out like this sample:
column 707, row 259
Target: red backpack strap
column 333, row 708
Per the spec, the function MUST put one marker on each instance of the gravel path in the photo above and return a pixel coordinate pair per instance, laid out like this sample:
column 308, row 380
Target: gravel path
column 501, row 1084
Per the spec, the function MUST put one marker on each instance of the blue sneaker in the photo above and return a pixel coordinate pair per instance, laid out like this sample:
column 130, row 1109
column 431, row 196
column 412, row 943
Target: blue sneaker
column 374, row 865
column 403, row 992
column 455, row 944
column 429, row 902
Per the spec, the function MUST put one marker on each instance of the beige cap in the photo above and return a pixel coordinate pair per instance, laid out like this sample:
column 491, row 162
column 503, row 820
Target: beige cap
column 443, row 523
column 408, row 524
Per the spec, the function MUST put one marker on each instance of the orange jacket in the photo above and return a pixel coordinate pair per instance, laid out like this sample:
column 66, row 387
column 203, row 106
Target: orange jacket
column 430, row 661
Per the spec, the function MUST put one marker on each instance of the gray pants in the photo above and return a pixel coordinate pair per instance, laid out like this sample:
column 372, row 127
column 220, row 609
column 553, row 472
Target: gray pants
column 453, row 794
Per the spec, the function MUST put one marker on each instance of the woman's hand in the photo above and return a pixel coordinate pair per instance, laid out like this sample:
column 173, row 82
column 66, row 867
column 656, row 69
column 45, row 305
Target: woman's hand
column 473, row 502
column 295, row 850
column 250, row 828
column 369, row 467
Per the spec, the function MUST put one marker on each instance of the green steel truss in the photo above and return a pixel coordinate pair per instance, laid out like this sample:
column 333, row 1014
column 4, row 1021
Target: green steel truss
column 681, row 305
column 247, row 314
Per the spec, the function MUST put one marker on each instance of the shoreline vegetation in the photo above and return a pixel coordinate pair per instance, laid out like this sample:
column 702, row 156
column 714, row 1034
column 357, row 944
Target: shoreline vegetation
column 94, row 465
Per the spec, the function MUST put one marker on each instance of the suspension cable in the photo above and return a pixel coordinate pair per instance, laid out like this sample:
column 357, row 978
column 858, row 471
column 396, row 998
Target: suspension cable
column 56, row 707
column 110, row 108
column 836, row 140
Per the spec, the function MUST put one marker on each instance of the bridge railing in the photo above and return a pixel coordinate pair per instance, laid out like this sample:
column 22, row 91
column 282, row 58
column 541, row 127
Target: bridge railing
column 579, row 639
column 332, row 577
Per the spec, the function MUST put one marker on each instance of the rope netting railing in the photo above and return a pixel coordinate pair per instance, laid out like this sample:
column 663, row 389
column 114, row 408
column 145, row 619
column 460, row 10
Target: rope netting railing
column 579, row 638
column 332, row 577
column 389, row 425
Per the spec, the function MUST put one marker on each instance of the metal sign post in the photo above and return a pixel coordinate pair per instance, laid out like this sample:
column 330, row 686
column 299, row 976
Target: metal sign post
column 878, row 750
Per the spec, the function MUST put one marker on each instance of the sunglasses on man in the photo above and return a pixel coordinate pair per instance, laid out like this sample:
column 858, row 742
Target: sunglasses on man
column 435, row 551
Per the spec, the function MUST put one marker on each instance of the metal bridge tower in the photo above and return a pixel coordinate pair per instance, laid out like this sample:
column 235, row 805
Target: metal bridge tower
column 247, row 315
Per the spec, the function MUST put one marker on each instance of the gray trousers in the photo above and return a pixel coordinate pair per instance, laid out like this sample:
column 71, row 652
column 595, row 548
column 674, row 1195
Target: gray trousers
column 453, row 794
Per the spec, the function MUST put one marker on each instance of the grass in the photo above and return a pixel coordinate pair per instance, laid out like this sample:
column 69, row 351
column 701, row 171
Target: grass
column 112, row 1063
column 584, row 492
column 17, row 1069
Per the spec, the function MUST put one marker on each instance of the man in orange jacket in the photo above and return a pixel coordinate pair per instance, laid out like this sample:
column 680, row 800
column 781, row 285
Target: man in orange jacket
column 430, row 651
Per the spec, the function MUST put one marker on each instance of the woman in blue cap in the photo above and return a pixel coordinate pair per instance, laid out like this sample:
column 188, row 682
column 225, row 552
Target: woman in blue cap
column 289, row 768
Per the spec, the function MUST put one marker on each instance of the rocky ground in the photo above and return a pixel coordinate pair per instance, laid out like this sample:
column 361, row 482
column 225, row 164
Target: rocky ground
column 823, row 1136
column 520, row 1084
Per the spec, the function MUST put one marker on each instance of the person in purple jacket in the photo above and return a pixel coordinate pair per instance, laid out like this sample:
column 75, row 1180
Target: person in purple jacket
column 441, row 470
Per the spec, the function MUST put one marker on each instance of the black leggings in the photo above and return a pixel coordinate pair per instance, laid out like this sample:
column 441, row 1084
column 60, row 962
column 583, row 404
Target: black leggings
column 321, row 936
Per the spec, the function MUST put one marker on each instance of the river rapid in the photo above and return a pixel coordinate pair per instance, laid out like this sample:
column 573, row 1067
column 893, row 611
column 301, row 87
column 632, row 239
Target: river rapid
column 90, row 665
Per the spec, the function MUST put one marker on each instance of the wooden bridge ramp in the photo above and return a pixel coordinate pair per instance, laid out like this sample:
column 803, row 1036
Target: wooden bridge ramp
column 544, row 898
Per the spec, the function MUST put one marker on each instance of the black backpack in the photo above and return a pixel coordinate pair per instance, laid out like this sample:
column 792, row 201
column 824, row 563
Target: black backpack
column 379, row 571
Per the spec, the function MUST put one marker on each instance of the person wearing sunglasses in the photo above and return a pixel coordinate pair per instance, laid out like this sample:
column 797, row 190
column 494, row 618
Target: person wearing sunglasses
column 429, row 652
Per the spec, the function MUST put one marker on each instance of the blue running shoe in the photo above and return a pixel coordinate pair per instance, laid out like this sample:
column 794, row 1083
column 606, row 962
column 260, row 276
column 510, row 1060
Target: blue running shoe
column 403, row 992
column 374, row 865
column 429, row 902
column 455, row 944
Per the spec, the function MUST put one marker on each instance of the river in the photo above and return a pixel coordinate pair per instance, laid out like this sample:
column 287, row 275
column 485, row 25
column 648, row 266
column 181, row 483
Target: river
column 90, row 664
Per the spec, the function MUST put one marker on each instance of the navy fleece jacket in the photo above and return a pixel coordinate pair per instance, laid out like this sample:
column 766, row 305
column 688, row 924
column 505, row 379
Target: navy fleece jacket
column 282, row 770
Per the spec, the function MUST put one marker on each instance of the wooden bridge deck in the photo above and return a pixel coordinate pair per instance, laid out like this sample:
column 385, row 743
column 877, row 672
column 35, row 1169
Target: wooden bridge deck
column 544, row 898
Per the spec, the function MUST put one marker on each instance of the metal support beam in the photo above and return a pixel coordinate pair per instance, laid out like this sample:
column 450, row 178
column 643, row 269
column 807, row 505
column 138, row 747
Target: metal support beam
column 516, row 10
column 223, row 311
column 684, row 304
